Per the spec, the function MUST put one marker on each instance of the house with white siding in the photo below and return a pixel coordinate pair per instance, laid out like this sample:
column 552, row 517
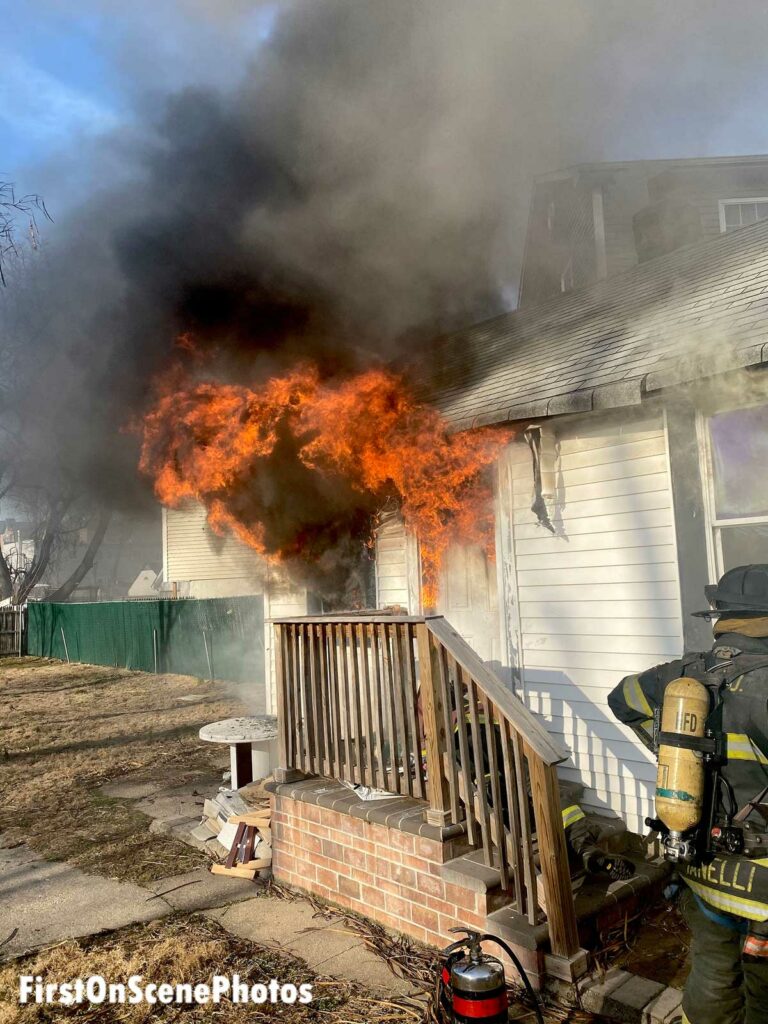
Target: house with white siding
column 200, row 563
column 645, row 398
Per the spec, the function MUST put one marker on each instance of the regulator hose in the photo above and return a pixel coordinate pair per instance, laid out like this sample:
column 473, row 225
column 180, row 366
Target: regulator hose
column 520, row 970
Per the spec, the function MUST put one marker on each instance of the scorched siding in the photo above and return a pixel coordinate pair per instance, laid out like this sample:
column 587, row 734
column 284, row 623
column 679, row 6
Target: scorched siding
column 194, row 552
column 397, row 567
column 599, row 599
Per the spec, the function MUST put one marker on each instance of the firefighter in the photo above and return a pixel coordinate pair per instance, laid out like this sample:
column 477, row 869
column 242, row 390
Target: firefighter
column 725, row 895
column 581, row 838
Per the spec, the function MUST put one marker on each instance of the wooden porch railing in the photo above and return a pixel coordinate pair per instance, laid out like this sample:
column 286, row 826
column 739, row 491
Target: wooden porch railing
column 403, row 703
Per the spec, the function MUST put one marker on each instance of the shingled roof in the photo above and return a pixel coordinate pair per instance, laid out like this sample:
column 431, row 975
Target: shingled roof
column 700, row 310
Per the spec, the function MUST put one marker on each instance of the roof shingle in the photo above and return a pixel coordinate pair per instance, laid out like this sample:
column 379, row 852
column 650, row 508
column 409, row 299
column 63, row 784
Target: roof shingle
column 700, row 310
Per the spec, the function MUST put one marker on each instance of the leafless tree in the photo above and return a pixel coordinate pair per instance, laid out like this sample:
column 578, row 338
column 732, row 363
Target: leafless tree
column 12, row 207
column 49, row 500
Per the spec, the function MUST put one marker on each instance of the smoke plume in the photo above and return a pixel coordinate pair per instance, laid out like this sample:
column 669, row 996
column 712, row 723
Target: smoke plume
column 363, row 186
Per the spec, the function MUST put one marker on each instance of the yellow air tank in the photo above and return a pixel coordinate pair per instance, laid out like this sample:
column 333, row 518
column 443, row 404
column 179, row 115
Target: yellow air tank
column 680, row 779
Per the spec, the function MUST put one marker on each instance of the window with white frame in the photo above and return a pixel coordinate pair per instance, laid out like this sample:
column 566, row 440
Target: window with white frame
column 738, row 213
column 737, row 443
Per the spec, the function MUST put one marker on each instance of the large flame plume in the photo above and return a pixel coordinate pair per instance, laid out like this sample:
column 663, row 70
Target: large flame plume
column 362, row 441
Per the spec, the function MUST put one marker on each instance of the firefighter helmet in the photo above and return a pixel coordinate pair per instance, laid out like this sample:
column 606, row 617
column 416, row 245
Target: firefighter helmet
column 743, row 590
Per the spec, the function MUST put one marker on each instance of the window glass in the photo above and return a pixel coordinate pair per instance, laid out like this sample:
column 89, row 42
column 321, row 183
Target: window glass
column 732, row 218
column 744, row 545
column 738, row 215
column 748, row 213
column 740, row 458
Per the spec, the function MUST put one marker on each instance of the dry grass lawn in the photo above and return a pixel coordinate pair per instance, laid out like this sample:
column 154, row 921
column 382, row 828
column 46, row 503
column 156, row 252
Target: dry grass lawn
column 65, row 730
column 188, row 949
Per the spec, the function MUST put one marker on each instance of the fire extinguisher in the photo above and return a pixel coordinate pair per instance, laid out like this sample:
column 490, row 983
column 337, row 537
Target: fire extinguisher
column 471, row 985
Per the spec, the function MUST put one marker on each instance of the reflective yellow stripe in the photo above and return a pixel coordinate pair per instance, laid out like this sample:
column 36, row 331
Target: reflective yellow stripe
column 635, row 698
column 750, row 909
column 571, row 815
column 742, row 748
column 684, row 1019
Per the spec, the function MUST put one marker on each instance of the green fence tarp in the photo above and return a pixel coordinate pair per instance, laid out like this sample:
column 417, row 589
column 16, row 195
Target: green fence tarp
column 220, row 637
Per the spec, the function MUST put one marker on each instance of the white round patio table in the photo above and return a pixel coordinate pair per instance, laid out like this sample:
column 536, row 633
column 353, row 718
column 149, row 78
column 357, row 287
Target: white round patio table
column 252, row 745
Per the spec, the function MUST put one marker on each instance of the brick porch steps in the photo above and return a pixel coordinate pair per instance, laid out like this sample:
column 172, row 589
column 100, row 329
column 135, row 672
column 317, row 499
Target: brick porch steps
column 383, row 860
column 600, row 903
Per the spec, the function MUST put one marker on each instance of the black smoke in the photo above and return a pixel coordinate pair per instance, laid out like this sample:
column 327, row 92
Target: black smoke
column 364, row 187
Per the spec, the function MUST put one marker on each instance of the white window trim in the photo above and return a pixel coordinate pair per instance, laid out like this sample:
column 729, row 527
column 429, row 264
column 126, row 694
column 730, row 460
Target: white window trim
column 735, row 202
column 714, row 526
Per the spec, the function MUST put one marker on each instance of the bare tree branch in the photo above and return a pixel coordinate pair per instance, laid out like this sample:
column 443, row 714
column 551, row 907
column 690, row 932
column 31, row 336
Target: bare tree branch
column 65, row 591
column 11, row 206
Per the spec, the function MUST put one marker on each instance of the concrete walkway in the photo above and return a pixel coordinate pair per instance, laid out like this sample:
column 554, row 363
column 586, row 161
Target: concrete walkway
column 325, row 945
column 42, row 902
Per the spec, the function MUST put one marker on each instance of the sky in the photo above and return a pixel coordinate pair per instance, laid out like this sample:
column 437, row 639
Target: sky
column 72, row 73
column 332, row 176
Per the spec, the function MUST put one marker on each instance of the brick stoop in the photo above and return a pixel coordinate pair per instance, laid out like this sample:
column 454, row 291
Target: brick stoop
column 381, row 859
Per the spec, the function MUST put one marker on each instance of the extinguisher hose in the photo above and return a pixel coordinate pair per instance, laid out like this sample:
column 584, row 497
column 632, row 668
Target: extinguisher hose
column 520, row 970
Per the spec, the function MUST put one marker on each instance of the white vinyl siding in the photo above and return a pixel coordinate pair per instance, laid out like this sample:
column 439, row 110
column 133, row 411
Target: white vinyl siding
column 194, row 552
column 468, row 598
column 599, row 599
column 397, row 567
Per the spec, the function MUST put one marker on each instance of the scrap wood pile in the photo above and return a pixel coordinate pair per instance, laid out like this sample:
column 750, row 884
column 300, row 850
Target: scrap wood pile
column 235, row 831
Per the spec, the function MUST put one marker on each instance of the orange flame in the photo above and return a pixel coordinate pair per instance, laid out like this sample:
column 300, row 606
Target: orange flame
column 204, row 440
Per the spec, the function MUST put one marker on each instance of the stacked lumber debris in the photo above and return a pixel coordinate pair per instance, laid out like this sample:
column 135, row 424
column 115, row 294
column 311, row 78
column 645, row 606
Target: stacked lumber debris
column 235, row 830
column 251, row 849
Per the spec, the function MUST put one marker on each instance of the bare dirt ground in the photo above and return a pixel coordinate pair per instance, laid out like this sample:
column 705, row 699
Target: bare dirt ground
column 65, row 730
column 190, row 949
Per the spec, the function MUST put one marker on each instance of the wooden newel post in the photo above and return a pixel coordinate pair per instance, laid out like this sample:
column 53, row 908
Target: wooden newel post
column 431, row 696
column 553, row 854
column 285, row 772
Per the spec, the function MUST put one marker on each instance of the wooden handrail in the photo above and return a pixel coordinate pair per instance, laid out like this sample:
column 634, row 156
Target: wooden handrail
column 403, row 703
column 524, row 721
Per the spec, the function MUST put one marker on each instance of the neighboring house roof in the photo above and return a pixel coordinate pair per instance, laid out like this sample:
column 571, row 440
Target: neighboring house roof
column 700, row 310
column 653, row 166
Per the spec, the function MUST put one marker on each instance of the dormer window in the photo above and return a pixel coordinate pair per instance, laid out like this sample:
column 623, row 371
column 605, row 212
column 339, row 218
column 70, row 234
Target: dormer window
column 738, row 213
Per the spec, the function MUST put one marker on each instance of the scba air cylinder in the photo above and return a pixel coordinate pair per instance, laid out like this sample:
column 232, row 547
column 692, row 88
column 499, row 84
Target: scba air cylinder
column 680, row 778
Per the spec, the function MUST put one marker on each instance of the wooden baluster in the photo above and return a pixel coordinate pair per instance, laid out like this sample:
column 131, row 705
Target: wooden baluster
column 388, row 695
column 496, row 809
column 404, row 776
column 437, row 734
column 335, row 687
column 288, row 770
column 553, row 856
column 290, row 678
column 450, row 751
column 515, row 841
column 314, row 702
column 349, row 758
column 326, row 765
column 479, row 769
column 283, row 755
column 467, row 776
column 378, row 703
column 410, row 698
column 526, row 828
column 353, row 672
column 369, row 768
column 301, row 720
